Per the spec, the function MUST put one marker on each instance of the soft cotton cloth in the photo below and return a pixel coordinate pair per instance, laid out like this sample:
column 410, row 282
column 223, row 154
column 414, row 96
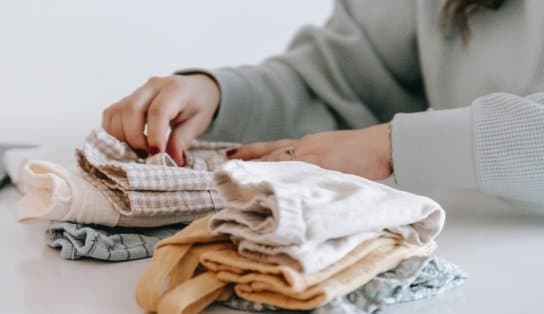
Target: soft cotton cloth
column 56, row 193
column 156, row 186
column 298, row 213
column 415, row 278
column 15, row 158
column 77, row 241
column 198, row 266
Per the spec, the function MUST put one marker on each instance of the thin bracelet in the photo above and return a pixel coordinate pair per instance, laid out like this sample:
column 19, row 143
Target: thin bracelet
column 390, row 132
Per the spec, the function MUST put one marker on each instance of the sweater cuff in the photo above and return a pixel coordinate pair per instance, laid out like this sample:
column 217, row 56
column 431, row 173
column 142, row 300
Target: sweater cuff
column 235, row 105
column 434, row 147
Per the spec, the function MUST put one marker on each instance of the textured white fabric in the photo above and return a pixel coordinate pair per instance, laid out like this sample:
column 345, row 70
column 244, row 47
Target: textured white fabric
column 312, row 215
column 16, row 158
column 54, row 192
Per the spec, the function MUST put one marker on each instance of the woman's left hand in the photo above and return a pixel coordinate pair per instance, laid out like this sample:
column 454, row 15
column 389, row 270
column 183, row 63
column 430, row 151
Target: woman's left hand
column 364, row 152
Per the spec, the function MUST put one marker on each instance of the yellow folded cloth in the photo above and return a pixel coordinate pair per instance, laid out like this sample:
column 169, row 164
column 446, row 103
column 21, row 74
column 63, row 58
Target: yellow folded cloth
column 193, row 268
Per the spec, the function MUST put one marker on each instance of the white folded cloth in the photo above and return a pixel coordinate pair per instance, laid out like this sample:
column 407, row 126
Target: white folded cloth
column 54, row 192
column 298, row 213
column 16, row 158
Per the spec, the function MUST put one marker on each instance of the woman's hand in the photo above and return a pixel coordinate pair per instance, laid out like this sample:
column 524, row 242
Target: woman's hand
column 364, row 152
column 176, row 109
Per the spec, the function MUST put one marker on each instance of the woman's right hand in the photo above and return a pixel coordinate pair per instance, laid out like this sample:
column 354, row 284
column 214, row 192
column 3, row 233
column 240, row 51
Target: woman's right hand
column 176, row 109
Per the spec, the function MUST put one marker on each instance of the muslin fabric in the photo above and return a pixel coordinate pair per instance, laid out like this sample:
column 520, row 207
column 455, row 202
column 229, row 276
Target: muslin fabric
column 53, row 192
column 295, row 213
column 199, row 267
column 155, row 186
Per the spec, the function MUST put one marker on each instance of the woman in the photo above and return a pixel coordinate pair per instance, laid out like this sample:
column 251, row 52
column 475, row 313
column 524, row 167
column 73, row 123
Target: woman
column 473, row 61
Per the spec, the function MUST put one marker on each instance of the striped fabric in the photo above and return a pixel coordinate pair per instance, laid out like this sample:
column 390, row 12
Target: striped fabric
column 77, row 241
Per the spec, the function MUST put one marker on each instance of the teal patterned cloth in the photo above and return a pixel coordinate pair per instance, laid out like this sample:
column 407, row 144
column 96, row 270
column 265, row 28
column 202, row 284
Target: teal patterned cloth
column 414, row 279
column 116, row 244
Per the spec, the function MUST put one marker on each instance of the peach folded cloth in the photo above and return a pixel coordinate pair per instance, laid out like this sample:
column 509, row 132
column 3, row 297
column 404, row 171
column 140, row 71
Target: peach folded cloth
column 296, row 213
column 54, row 192
column 200, row 267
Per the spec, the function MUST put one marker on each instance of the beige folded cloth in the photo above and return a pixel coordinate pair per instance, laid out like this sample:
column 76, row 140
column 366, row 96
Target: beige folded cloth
column 155, row 186
column 54, row 192
column 297, row 213
column 193, row 268
column 16, row 158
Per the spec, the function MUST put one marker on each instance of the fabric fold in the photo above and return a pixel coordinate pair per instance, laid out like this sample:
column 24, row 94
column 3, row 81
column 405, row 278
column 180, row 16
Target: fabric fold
column 77, row 241
column 285, row 212
column 195, row 251
column 413, row 279
column 53, row 192
column 155, row 186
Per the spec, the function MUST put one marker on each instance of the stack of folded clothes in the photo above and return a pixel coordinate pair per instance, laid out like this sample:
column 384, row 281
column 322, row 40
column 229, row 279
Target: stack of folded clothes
column 292, row 236
column 107, row 185
column 253, row 236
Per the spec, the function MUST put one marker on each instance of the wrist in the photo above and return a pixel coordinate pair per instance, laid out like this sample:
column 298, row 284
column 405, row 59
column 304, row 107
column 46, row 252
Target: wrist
column 207, row 87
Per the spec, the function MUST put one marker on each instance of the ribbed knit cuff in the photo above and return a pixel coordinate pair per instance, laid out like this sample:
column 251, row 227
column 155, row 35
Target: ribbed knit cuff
column 434, row 147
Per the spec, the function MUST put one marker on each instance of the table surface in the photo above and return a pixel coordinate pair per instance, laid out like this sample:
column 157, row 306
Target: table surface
column 499, row 243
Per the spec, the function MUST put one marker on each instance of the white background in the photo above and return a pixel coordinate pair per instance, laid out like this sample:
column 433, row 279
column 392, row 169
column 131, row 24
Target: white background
column 62, row 62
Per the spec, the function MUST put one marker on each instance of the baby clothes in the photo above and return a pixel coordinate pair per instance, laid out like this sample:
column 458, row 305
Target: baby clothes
column 198, row 267
column 56, row 193
column 77, row 241
column 295, row 213
column 413, row 279
column 14, row 160
column 155, row 186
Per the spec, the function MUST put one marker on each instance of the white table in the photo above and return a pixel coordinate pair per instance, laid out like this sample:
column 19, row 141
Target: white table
column 500, row 245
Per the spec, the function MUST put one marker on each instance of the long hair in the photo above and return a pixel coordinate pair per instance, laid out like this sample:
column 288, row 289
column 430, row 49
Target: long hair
column 455, row 15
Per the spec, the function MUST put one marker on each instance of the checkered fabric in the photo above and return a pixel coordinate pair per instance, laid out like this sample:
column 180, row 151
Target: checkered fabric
column 156, row 185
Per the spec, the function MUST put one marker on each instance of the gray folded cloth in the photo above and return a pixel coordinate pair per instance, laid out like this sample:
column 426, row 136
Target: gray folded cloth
column 415, row 278
column 102, row 243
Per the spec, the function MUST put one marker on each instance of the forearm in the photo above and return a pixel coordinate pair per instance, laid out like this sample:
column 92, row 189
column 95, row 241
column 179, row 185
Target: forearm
column 495, row 145
column 339, row 76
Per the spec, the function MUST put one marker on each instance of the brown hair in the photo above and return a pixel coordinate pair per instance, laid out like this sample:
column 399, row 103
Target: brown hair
column 455, row 14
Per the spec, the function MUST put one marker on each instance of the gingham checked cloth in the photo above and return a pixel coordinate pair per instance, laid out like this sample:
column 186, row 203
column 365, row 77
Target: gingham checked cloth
column 155, row 186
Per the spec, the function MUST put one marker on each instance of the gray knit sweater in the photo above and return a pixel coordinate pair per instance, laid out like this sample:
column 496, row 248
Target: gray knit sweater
column 377, row 60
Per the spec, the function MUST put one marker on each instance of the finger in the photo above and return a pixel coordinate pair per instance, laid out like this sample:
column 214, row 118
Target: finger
column 106, row 119
column 117, row 126
column 133, row 114
column 181, row 138
column 258, row 150
column 164, row 108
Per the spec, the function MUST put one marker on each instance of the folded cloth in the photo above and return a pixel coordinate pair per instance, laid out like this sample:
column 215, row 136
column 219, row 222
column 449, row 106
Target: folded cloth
column 298, row 213
column 198, row 267
column 415, row 278
column 15, row 158
column 109, row 244
column 56, row 193
column 155, row 186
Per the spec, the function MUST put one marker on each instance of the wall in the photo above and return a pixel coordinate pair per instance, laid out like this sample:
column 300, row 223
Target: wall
column 62, row 62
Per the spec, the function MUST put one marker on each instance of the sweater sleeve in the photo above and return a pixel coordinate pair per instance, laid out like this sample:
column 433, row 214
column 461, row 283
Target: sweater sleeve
column 331, row 77
column 495, row 145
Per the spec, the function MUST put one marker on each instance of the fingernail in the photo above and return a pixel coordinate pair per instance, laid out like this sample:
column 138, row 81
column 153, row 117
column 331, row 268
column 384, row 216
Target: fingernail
column 231, row 152
column 184, row 162
column 141, row 152
column 154, row 150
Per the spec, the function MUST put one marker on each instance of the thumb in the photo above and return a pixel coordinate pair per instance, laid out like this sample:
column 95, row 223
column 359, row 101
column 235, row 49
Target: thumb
column 180, row 139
